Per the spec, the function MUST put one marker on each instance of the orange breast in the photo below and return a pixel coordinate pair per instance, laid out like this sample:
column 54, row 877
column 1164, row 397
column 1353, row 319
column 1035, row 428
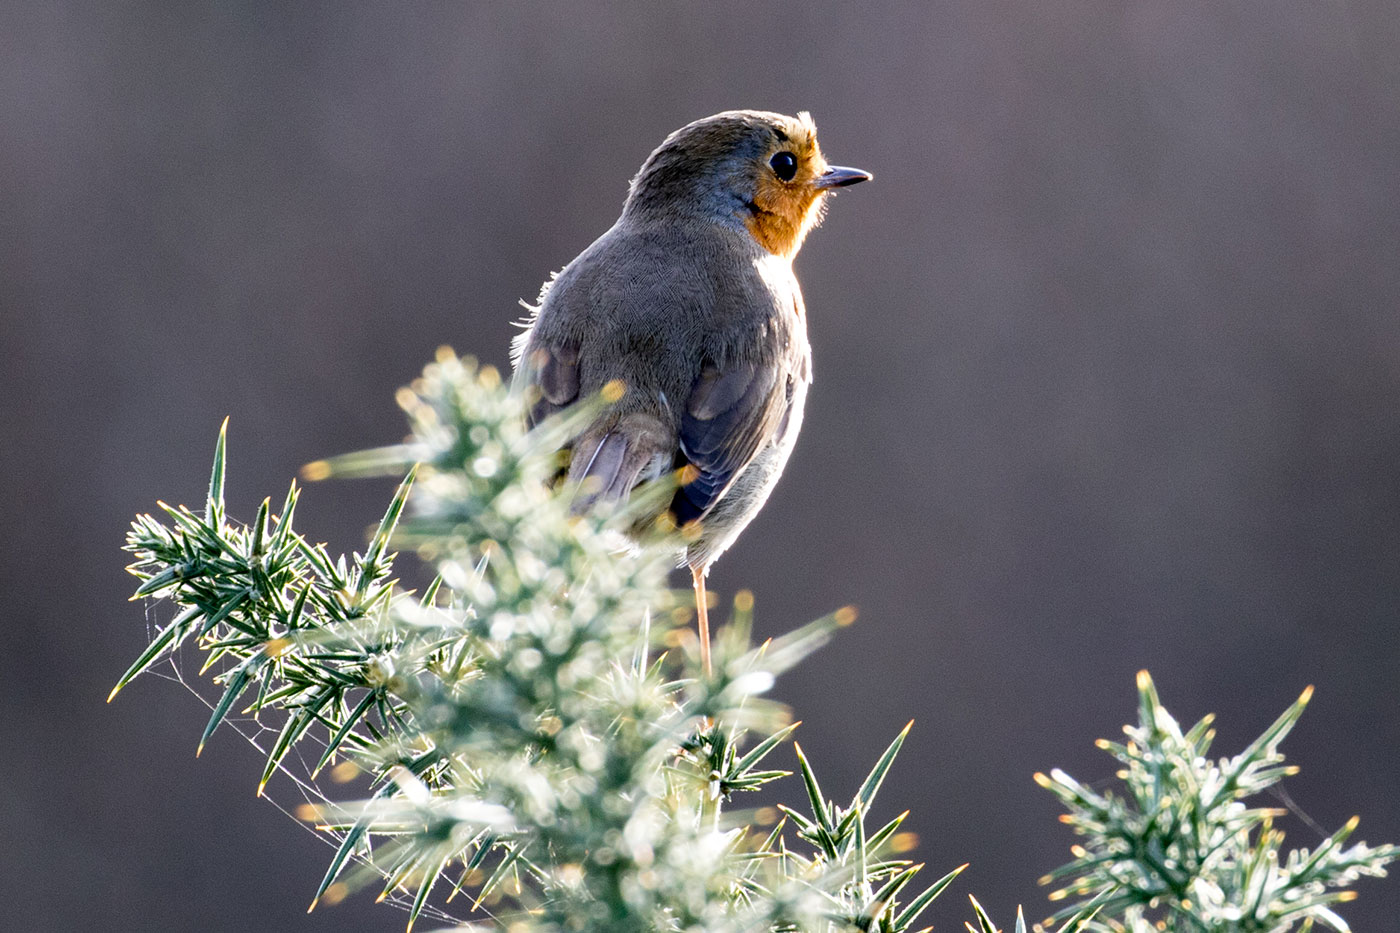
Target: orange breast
column 784, row 214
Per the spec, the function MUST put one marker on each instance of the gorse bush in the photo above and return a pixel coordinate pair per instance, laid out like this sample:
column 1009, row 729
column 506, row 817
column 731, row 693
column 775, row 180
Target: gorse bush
column 1179, row 848
column 533, row 732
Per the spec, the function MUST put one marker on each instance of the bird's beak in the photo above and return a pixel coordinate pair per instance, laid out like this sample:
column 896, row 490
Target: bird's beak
column 838, row 176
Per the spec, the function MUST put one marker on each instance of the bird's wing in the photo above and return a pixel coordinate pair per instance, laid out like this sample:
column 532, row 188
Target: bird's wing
column 551, row 378
column 729, row 416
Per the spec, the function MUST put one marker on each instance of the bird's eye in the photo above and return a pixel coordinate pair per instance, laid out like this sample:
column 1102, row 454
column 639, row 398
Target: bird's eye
column 784, row 165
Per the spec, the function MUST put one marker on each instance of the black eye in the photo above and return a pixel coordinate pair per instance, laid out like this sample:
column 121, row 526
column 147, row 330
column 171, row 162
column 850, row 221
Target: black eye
column 784, row 165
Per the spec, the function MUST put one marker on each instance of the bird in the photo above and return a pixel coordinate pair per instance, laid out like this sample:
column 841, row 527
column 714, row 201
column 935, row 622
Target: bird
column 690, row 305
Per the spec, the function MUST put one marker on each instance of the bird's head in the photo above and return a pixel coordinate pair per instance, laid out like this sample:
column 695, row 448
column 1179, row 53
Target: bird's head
column 762, row 171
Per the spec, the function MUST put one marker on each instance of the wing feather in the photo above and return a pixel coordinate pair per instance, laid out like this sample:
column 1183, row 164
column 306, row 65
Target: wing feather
column 552, row 379
column 728, row 417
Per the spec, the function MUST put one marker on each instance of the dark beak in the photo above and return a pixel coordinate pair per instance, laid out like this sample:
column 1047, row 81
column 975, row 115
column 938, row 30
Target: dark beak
column 838, row 176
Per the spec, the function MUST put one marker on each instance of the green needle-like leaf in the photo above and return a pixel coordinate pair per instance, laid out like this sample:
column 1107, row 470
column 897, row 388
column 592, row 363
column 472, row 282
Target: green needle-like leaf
column 514, row 851
column 984, row 922
column 223, row 612
column 352, row 840
column 820, row 809
column 862, row 874
column 160, row 581
column 214, row 502
column 380, row 541
column 351, row 720
column 911, row 912
column 866, row 795
column 237, row 682
column 757, row 753
column 430, row 877
column 168, row 639
column 293, row 729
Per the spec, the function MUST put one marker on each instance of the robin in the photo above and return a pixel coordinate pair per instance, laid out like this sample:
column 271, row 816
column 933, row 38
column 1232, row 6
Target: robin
column 689, row 301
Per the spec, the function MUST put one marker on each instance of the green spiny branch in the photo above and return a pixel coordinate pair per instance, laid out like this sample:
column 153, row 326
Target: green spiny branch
column 538, row 736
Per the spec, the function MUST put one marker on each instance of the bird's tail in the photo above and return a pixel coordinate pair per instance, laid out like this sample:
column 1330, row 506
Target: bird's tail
column 607, row 463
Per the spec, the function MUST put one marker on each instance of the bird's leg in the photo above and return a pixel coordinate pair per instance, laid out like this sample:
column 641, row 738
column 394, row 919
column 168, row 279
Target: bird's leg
column 702, row 613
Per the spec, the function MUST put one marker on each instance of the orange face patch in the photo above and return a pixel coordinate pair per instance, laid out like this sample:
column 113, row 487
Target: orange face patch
column 783, row 211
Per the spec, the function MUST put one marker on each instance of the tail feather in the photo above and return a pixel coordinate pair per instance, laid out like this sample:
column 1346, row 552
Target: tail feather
column 602, row 476
column 607, row 465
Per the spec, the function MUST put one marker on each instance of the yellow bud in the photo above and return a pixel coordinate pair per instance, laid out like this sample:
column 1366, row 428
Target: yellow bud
column 316, row 470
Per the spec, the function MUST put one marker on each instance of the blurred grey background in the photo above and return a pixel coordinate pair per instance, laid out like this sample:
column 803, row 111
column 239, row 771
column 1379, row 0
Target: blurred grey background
column 1107, row 372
